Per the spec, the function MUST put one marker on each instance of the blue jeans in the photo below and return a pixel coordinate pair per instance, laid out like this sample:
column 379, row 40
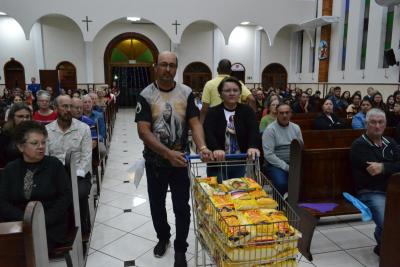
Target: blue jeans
column 225, row 172
column 278, row 177
column 375, row 201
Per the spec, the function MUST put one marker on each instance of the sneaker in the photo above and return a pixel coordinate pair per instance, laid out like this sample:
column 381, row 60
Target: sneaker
column 161, row 248
column 180, row 259
column 377, row 250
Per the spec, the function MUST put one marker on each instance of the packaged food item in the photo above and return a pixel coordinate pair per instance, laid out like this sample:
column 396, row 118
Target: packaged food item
column 266, row 202
column 240, row 194
column 245, row 204
column 252, row 185
column 259, row 193
column 236, row 184
column 221, row 201
column 212, row 180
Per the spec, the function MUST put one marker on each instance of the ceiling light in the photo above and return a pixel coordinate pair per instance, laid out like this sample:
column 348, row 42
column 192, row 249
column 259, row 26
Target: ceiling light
column 133, row 18
column 245, row 23
column 3, row 14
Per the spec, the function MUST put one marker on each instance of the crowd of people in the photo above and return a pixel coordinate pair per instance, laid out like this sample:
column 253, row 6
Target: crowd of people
column 40, row 129
column 230, row 119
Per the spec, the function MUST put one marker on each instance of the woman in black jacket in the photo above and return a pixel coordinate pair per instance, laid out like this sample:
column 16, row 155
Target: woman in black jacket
column 36, row 177
column 231, row 128
column 327, row 120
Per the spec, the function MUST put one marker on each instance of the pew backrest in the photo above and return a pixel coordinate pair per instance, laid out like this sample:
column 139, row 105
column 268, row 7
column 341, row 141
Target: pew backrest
column 23, row 243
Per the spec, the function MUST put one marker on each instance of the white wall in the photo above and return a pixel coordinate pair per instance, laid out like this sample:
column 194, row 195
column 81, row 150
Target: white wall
column 14, row 44
column 62, row 41
column 196, row 45
column 151, row 31
column 279, row 52
column 373, row 73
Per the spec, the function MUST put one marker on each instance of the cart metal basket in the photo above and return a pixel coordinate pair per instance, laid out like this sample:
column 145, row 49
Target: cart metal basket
column 239, row 235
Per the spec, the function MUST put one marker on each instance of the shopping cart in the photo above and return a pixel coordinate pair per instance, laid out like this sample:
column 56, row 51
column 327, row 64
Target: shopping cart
column 232, row 244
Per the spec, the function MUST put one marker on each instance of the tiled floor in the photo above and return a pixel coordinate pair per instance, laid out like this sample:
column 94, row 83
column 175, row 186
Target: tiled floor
column 119, row 236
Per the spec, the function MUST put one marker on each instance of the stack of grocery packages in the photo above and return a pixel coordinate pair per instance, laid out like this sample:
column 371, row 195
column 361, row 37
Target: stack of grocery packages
column 240, row 224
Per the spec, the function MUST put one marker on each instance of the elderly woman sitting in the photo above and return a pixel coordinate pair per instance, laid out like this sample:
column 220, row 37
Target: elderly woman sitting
column 36, row 177
column 231, row 128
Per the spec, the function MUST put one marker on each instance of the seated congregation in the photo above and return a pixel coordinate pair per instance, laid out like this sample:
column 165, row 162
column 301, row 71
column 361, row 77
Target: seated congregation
column 51, row 150
column 299, row 138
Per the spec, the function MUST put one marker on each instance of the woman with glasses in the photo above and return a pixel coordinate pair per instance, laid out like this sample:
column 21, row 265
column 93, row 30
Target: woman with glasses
column 19, row 112
column 36, row 177
column 231, row 128
column 45, row 114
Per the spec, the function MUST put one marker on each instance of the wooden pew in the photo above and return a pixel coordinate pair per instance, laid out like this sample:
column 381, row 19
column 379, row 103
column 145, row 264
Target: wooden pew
column 23, row 243
column 319, row 173
column 335, row 138
column 389, row 254
column 73, row 251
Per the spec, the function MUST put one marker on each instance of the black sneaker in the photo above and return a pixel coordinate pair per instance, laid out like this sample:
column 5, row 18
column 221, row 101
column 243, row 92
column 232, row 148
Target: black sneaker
column 161, row 248
column 377, row 250
column 180, row 259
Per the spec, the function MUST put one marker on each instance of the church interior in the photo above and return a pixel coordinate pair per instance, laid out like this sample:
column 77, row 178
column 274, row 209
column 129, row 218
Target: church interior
column 283, row 44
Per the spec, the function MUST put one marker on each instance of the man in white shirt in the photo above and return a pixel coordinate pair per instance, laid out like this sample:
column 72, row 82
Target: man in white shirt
column 68, row 134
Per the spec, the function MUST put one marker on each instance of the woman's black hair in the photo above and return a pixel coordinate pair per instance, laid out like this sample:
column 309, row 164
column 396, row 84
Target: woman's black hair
column 229, row 79
column 23, row 129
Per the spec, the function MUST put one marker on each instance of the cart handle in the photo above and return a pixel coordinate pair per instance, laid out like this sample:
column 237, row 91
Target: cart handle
column 227, row 156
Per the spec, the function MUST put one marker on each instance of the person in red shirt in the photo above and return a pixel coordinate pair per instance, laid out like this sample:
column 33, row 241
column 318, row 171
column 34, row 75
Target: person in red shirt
column 44, row 115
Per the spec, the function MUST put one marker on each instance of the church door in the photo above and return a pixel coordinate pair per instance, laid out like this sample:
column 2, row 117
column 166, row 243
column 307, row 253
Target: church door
column 131, row 80
column 238, row 71
column 128, row 61
column 49, row 78
column 14, row 74
column 67, row 75
column 196, row 75
column 274, row 75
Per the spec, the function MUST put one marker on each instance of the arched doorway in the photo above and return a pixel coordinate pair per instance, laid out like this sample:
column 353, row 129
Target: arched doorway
column 14, row 74
column 195, row 75
column 238, row 71
column 66, row 75
column 274, row 75
column 128, row 61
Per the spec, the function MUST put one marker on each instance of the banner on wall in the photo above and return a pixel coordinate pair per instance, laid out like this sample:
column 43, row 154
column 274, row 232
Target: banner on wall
column 323, row 50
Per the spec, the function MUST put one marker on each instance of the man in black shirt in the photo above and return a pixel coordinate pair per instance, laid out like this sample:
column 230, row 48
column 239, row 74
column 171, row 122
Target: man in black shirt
column 374, row 158
column 164, row 111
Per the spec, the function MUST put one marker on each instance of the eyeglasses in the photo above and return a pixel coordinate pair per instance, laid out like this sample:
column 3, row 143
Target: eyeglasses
column 165, row 65
column 36, row 143
column 23, row 116
column 66, row 106
column 233, row 90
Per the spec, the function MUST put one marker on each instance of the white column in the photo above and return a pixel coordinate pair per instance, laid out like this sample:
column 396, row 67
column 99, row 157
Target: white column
column 89, row 62
column 179, row 71
column 37, row 40
column 256, row 77
column 217, row 41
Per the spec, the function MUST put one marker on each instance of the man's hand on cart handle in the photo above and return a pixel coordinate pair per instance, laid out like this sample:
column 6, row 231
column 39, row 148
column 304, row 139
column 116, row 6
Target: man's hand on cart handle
column 219, row 155
column 206, row 154
column 176, row 158
column 253, row 153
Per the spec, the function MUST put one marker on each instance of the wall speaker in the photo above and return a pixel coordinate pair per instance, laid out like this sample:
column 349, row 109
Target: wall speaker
column 390, row 57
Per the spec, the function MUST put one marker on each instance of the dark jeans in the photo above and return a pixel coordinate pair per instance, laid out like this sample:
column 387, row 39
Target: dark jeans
column 278, row 177
column 84, row 186
column 375, row 201
column 225, row 172
column 158, row 179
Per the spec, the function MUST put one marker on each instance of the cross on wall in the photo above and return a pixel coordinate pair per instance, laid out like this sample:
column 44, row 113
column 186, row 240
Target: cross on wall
column 87, row 22
column 176, row 24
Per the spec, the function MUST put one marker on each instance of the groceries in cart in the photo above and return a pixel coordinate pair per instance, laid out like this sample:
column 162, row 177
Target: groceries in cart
column 240, row 220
